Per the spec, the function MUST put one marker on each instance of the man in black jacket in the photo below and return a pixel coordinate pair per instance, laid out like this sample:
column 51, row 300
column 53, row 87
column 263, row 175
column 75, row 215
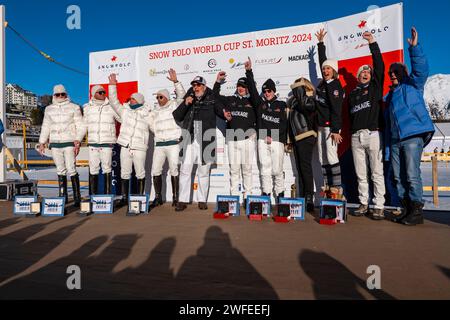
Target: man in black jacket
column 330, row 97
column 365, row 122
column 197, row 115
column 240, row 134
column 272, row 126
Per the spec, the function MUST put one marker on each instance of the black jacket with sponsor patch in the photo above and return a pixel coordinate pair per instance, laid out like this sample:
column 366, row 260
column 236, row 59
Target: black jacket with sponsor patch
column 242, row 112
column 270, row 115
column 205, row 110
column 330, row 97
column 364, row 100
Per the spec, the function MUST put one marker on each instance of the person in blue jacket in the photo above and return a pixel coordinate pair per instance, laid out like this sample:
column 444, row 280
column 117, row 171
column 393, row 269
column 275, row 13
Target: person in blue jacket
column 409, row 129
column 2, row 128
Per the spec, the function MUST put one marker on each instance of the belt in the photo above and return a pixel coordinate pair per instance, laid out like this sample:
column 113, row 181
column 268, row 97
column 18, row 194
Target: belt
column 61, row 145
column 167, row 143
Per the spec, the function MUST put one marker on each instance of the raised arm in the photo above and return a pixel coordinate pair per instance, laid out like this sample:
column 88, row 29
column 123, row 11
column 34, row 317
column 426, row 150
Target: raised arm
column 321, row 46
column 378, row 64
column 179, row 89
column 113, row 99
column 419, row 63
column 255, row 98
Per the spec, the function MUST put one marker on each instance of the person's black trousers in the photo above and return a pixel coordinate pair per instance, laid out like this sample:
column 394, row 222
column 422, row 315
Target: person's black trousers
column 303, row 158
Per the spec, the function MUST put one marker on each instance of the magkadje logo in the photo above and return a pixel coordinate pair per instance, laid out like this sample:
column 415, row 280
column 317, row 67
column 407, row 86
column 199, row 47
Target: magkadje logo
column 114, row 64
column 300, row 57
column 363, row 26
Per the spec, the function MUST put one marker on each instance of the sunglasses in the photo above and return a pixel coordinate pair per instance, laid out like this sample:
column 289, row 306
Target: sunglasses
column 267, row 91
column 194, row 85
column 59, row 95
column 160, row 97
column 101, row 92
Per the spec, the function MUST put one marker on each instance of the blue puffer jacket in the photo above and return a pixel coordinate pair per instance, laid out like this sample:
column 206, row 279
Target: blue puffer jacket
column 2, row 128
column 408, row 105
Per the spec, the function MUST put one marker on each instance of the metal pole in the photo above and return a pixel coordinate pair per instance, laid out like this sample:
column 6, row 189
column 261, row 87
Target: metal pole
column 2, row 90
column 435, row 181
column 25, row 158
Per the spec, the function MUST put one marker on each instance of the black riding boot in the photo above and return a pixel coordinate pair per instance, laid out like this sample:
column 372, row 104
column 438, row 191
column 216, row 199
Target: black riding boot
column 62, row 186
column 93, row 183
column 280, row 195
column 107, row 182
column 175, row 190
column 157, row 184
column 125, row 190
column 140, row 186
column 76, row 190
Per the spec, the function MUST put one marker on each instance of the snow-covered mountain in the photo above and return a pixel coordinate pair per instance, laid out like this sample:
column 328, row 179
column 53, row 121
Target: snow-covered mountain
column 437, row 96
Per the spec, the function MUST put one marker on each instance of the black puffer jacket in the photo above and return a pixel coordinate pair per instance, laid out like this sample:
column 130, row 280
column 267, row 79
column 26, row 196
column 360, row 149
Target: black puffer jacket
column 301, row 115
column 204, row 109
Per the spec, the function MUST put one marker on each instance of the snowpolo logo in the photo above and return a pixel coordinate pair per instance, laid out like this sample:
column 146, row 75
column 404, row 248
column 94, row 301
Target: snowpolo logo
column 114, row 65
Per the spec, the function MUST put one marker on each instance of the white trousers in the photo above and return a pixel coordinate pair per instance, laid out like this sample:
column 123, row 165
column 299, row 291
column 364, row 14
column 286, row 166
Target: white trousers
column 99, row 156
column 271, row 158
column 240, row 157
column 328, row 150
column 193, row 155
column 130, row 158
column 160, row 154
column 64, row 159
column 367, row 150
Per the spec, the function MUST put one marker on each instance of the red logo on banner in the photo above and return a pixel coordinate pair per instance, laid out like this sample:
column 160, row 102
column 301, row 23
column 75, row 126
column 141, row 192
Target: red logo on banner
column 114, row 58
column 362, row 24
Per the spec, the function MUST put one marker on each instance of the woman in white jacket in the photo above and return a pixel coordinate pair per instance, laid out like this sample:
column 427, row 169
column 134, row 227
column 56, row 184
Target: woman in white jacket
column 167, row 139
column 133, row 137
column 99, row 122
column 61, row 125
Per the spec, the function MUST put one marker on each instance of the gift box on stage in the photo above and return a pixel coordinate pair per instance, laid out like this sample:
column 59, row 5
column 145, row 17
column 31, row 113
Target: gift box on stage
column 85, row 208
column 283, row 213
column 23, row 204
column 227, row 206
column 223, row 210
column 333, row 211
column 102, row 204
column 295, row 207
column 258, row 207
column 142, row 205
column 12, row 188
column 53, row 207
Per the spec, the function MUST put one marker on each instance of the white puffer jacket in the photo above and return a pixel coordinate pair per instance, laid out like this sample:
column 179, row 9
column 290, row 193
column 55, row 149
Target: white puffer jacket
column 162, row 123
column 98, row 122
column 135, row 128
column 62, row 123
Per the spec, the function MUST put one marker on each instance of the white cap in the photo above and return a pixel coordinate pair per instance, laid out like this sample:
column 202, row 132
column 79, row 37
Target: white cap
column 331, row 63
column 362, row 68
column 163, row 92
column 59, row 88
column 139, row 97
column 95, row 89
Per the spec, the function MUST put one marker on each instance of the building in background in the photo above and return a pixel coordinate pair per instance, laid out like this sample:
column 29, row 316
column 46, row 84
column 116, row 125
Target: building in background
column 19, row 99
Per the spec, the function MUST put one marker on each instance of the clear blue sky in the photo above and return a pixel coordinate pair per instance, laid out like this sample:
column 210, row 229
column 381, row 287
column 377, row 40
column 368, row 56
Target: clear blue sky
column 110, row 24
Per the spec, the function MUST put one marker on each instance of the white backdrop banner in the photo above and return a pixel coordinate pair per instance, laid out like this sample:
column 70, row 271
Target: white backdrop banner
column 283, row 54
